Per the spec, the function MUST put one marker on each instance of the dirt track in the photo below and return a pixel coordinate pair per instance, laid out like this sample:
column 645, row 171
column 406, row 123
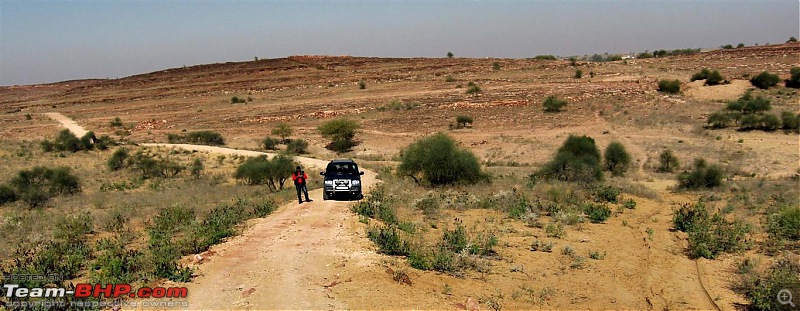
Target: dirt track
column 288, row 260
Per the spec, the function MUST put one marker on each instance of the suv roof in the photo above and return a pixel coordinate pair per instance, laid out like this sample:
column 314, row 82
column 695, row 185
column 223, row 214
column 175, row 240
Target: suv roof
column 343, row 161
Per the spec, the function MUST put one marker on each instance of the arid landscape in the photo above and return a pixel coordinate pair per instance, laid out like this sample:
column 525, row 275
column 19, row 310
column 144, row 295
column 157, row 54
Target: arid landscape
column 324, row 255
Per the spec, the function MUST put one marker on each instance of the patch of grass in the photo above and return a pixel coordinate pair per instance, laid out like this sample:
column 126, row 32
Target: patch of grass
column 597, row 255
column 761, row 289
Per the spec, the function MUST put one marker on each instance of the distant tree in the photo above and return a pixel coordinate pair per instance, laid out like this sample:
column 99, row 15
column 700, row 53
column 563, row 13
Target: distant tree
column 553, row 104
column 196, row 169
column 794, row 80
column 765, row 80
column 714, row 78
column 789, row 121
column 701, row 75
column 727, row 47
column 437, row 160
column 449, row 54
column 577, row 160
column 462, row 121
column 473, row 89
column 791, row 39
column 269, row 143
column 617, row 159
column 297, row 146
column 701, row 176
column 669, row 86
column 668, row 162
column 282, row 130
column 496, row 66
column 341, row 133
column 573, row 61
column 740, row 45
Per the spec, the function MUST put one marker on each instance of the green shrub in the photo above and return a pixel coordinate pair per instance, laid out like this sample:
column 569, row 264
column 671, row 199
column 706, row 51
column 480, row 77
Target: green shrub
column 545, row 57
column 116, row 264
column 429, row 205
column 449, row 79
column 765, row 80
column 282, row 130
column 388, row 240
column 117, row 122
column 87, row 141
column 597, row 213
column 629, row 204
column 789, row 120
column 270, row 143
column 272, row 172
column 553, row 104
column 376, row 205
column 577, row 160
column 761, row 289
column 578, row 74
column 238, row 100
column 573, row 61
column 749, row 122
column 449, row 54
column 617, row 159
column 701, row 176
column 341, row 133
column 462, row 121
column 539, row 245
column 66, row 141
column 555, row 230
column 770, row 122
column 714, row 78
column 218, row 224
column 210, row 138
column 437, row 160
column 297, row 146
column 264, row 209
column 39, row 184
column 473, row 89
column 7, row 194
column 455, row 240
column 690, row 216
column 757, row 105
column 362, row 84
column 496, row 66
column 118, row 160
column 196, row 169
column 103, row 142
column 47, row 146
column 794, row 80
column 607, row 194
column 701, row 75
column 719, row 120
column 669, row 86
column 667, row 162
column 785, row 224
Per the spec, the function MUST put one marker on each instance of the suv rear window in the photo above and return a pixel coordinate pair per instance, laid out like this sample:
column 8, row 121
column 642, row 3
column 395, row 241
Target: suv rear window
column 342, row 169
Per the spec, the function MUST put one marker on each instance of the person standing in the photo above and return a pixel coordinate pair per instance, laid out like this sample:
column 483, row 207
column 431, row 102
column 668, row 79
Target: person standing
column 300, row 177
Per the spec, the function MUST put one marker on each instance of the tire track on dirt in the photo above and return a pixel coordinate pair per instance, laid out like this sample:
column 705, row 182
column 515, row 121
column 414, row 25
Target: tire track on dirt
column 288, row 260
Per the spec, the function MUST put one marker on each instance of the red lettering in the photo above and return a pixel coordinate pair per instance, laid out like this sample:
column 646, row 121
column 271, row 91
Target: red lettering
column 144, row 292
column 121, row 289
column 105, row 290
column 83, row 290
column 159, row 292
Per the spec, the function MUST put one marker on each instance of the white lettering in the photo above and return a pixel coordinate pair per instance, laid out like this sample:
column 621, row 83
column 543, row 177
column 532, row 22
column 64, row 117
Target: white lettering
column 10, row 289
column 55, row 292
column 36, row 293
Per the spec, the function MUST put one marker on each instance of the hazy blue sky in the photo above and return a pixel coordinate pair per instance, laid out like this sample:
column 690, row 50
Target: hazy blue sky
column 48, row 41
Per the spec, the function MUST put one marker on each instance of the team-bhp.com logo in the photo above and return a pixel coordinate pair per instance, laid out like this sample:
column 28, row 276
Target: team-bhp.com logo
column 85, row 290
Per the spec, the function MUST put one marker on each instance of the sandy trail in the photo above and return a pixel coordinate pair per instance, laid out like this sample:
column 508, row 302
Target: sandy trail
column 288, row 260
column 68, row 123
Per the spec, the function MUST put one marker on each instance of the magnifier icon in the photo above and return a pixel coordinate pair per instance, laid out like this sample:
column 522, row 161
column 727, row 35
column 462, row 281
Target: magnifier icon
column 785, row 297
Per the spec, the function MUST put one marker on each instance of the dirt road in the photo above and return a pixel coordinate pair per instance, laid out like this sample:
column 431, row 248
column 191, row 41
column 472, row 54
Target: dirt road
column 288, row 260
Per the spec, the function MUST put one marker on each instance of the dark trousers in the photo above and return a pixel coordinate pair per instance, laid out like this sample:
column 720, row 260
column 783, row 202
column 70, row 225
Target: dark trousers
column 301, row 188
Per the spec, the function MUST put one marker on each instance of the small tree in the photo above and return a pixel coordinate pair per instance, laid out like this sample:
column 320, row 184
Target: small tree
column 196, row 169
column 462, row 121
column 473, row 89
column 362, row 85
column 740, row 45
column 577, row 160
column 438, row 161
column 449, row 54
column 791, row 39
column 765, row 80
column 66, row 141
column 573, row 61
column 770, row 122
column 789, row 121
column 270, row 143
column 669, row 86
column 701, row 75
column 117, row 122
column 238, row 100
column 701, row 176
column 118, row 160
column 496, row 66
column 719, row 120
column 39, row 184
column 667, row 162
column 553, row 104
column 714, row 78
column 617, row 159
column 282, row 130
column 341, row 133
column 297, row 146
column 794, row 80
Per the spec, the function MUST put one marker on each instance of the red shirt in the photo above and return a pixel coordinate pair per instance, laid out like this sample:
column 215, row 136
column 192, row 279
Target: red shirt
column 299, row 178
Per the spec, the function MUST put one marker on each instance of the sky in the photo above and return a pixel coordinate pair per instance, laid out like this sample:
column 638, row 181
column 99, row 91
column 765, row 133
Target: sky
column 51, row 41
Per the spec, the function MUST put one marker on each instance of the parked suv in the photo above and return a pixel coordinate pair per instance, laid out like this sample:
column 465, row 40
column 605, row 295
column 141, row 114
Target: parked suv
column 342, row 179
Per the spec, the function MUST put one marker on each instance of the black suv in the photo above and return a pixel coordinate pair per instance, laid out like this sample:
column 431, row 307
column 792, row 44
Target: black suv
column 342, row 179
